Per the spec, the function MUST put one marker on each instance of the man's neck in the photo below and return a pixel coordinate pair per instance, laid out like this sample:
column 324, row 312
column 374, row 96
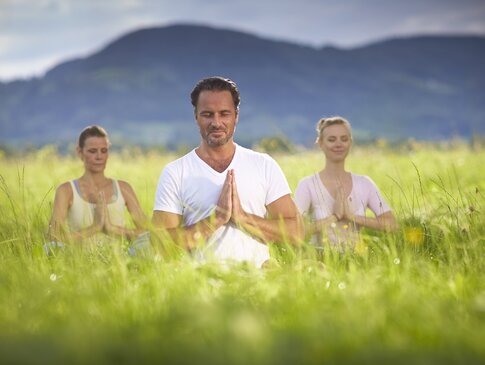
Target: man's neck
column 218, row 158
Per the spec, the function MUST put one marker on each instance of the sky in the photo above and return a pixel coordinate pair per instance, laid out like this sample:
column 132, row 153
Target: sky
column 36, row 35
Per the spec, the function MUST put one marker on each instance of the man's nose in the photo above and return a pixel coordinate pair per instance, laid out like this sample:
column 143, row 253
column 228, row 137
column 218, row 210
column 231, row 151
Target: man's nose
column 217, row 120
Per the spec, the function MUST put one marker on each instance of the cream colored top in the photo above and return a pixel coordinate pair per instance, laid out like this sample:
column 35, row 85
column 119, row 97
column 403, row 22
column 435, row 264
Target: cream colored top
column 312, row 197
column 81, row 212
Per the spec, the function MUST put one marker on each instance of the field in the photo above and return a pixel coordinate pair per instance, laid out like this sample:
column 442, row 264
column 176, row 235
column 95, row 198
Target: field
column 415, row 296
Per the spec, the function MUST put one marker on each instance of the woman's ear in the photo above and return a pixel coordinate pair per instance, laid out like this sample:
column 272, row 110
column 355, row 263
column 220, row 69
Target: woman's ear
column 79, row 152
column 318, row 143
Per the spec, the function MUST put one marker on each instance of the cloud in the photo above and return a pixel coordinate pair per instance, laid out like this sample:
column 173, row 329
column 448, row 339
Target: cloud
column 58, row 29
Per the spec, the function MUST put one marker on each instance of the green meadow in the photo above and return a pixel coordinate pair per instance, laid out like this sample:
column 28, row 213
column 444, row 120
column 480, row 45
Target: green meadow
column 413, row 296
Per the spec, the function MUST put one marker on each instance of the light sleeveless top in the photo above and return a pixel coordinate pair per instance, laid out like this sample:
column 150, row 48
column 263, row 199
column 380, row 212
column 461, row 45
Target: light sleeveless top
column 81, row 213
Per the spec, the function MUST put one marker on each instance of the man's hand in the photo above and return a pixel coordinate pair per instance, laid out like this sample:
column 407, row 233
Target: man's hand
column 224, row 204
column 238, row 215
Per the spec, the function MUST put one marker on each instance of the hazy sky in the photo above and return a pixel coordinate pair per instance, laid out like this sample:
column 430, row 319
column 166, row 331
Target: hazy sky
column 37, row 34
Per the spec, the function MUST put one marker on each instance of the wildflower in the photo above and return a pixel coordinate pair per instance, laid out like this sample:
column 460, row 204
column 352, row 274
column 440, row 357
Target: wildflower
column 414, row 235
column 360, row 248
column 345, row 226
column 327, row 284
column 333, row 225
column 53, row 277
column 397, row 261
column 342, row 285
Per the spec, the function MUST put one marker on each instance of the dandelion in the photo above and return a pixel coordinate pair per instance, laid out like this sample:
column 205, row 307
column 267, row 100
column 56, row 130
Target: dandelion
column 414, row 235
column 345, row 226
column 53, row 277
column 327, row 284
column 360, row 248
column 333, row 225
column 342, row 285
column 397, row 261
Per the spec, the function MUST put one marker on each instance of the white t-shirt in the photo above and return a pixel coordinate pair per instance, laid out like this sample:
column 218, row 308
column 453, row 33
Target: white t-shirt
column 312, row 197
column 191, row 188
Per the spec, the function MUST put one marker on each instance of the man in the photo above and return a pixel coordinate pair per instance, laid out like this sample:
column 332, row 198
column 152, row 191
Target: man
column 222, row 200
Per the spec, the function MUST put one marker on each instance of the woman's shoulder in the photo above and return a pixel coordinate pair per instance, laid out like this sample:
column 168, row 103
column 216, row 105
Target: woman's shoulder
column 308, row 180
column 65, row 188
column 363, row 181
column 124, row 185
column 64, row 192
column 126, row 189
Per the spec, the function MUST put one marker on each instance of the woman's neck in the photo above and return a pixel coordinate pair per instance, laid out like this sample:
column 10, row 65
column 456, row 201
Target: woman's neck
column 334, row 170
column 96, row 179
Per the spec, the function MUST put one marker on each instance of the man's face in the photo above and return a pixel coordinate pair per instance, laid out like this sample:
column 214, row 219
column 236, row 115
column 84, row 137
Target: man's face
column 216, row 117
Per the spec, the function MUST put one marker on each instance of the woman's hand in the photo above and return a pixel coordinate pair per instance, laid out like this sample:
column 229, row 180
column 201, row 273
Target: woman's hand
column 348, row 214
column 100, row 213
column 339, row 205
column 342, row 208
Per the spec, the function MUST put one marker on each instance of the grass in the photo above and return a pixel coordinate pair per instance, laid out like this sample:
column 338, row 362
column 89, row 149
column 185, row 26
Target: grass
column 416, row 296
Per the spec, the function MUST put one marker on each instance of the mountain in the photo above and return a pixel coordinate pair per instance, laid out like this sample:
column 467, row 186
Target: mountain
column 138, row 88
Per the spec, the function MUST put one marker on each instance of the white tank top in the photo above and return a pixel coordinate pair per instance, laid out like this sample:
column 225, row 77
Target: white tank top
column 81, row 212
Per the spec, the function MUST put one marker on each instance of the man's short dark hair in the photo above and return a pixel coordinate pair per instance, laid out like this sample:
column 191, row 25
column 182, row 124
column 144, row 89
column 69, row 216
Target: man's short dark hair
column 216, row 83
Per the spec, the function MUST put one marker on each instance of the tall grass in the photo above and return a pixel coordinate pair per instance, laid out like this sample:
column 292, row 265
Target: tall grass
column 415, row 296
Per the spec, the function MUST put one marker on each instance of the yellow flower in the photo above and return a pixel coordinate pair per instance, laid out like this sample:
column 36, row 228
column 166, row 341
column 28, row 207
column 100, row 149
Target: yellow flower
column 360, row 248
column 414, row 235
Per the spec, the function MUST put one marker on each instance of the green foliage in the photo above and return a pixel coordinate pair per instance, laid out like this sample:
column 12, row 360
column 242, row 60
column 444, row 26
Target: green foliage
column 415, row 296
column 276, row 144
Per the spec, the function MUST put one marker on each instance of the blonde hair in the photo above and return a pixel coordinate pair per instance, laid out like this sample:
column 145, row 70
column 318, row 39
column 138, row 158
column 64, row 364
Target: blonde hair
column 326, row 122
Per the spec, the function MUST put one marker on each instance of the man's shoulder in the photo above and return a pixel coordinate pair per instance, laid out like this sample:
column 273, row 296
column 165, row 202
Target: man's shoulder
column 180, row 161
column 249, row 153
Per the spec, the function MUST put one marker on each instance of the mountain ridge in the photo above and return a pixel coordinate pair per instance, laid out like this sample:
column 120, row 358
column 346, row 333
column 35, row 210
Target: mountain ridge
column 138, row 86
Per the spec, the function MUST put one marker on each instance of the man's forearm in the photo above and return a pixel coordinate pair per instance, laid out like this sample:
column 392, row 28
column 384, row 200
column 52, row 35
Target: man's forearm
column 189, row 237
column 289, row 229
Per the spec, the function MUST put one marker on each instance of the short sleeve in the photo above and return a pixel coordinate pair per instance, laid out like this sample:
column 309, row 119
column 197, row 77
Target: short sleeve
column 167, row 197
column 277, row 183
column 302, row 196
column 375, row 202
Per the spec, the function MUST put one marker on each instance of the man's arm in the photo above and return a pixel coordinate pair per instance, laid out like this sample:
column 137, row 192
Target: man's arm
column 189, row 237
column 283, row 224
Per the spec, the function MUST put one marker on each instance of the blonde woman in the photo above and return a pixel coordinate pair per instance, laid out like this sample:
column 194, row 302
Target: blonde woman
column 336, row 199
column 91, row 208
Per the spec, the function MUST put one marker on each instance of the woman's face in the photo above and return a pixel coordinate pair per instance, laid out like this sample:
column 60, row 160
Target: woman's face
column 94, row 154
column 336, row 142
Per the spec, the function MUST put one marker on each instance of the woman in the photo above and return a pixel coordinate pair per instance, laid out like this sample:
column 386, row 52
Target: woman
column 90, row 208
column 337, row 199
